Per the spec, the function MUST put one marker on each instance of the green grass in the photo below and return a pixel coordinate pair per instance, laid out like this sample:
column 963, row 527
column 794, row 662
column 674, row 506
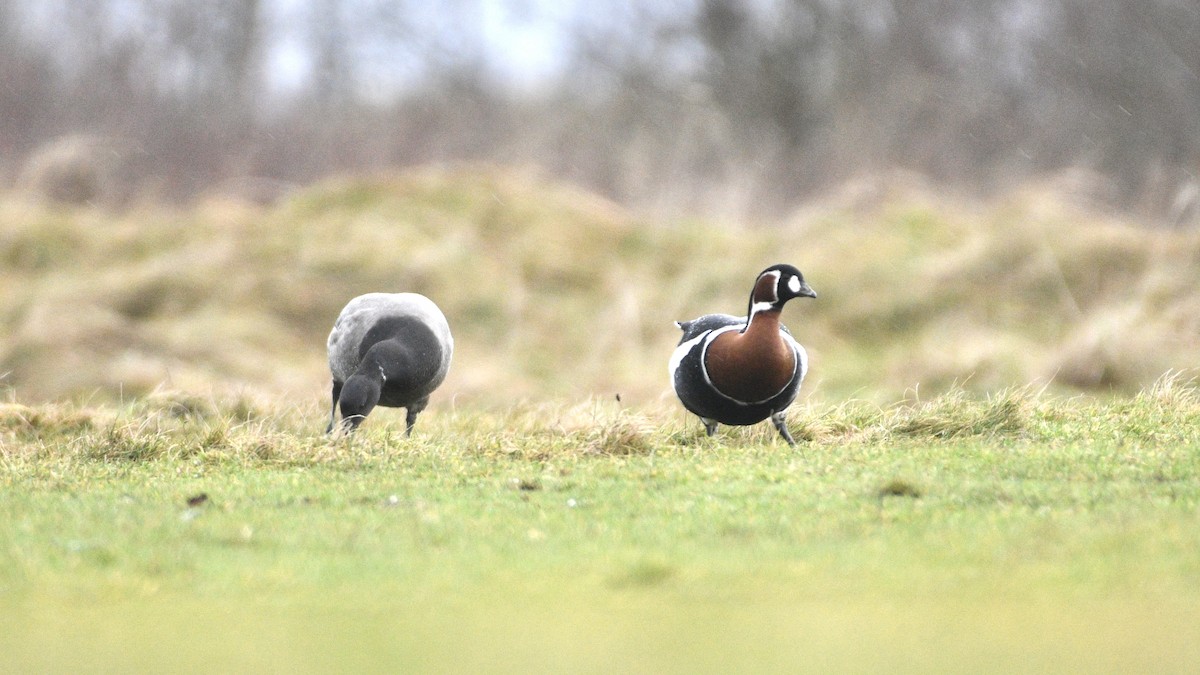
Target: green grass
column 1017, row 532
column 939, row 514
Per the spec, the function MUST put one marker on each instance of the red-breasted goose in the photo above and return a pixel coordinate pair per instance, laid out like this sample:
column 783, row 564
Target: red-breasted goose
column 742, row 370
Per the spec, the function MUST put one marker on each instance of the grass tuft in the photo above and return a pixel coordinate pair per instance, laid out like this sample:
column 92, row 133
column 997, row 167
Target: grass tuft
column 625, row 434
column 954, row 415
column 642, row 574
column 45, row 420
column 899, row 488
column 1175, row 390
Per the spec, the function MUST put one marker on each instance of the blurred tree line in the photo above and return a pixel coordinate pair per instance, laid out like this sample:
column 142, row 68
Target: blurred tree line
column 728, row 107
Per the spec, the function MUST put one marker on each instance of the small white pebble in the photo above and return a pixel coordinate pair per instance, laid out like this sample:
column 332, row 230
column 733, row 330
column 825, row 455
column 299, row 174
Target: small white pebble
column 571, row 503
column 393, row 500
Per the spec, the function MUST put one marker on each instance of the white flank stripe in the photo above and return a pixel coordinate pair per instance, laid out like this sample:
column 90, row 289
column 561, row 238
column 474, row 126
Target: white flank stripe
column 801, row 355
column 680, row 352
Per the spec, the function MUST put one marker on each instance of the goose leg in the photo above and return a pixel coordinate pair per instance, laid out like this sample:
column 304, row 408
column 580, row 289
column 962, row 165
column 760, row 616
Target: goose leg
column 337, row 393
column 410, row 417
column 780, row 422
column 710, row 426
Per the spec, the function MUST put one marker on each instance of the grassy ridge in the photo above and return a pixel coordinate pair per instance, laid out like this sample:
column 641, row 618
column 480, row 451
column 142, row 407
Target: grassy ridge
column 957, row 533
column 555, row 292
column 175, row 425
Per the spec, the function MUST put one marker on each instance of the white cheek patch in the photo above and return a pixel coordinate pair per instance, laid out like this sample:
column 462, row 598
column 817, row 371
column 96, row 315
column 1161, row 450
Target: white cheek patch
column 794, row 284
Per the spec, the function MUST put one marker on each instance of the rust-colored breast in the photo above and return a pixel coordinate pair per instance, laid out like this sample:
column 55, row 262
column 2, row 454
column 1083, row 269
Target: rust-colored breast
column 751, row 366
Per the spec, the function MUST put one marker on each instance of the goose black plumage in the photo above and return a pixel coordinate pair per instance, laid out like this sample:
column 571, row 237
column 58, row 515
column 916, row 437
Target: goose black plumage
column 743, row 370
column 387, row 349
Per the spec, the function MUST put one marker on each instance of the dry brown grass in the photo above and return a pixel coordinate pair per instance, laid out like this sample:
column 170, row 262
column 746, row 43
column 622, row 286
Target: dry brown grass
column 555, row 293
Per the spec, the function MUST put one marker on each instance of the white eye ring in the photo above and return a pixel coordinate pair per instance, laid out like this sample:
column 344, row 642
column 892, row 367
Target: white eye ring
column 794, row 284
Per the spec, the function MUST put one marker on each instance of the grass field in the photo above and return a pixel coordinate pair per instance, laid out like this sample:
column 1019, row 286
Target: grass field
column 1020, row 532
column 993, row 473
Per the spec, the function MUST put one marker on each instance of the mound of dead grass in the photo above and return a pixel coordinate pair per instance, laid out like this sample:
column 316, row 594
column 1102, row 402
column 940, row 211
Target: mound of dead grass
column 556, row 293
